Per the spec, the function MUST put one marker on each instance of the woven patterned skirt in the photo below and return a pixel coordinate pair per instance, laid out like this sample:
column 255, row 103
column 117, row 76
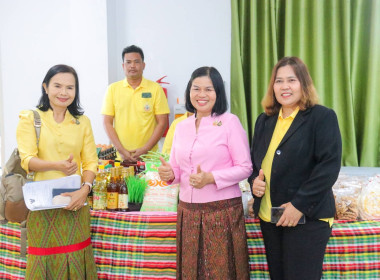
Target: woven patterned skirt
column 211, row 241
column 54, row 229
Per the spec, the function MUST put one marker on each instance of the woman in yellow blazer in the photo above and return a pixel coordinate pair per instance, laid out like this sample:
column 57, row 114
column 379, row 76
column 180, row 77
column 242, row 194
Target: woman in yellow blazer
column 59, row 244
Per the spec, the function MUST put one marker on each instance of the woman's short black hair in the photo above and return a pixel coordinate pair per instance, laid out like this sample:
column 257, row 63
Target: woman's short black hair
column 221, row 104
column 132, row 49
column 44, row 104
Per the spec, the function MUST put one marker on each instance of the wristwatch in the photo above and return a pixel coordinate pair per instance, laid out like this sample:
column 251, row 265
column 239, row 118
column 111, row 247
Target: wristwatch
column 88, row 184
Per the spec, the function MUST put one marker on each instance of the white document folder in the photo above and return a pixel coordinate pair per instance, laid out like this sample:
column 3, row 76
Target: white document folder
column 38, row 195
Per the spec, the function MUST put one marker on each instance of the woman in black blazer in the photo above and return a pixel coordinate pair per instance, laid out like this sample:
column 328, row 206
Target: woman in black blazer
column 296, row 155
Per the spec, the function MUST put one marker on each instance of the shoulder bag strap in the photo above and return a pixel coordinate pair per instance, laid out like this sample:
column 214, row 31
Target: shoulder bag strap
column 37, row 127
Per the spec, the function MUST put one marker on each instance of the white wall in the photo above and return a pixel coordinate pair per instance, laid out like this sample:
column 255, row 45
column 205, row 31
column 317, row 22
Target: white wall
column 177, row 37
column 1, row 120
column 35, row 35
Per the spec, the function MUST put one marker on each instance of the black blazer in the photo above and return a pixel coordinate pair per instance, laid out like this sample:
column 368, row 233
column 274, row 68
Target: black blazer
column 306, row 163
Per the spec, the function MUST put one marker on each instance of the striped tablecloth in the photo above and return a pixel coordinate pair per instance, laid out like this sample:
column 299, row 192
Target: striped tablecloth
column 134, row 245
column 142, row 246
column 353, row 251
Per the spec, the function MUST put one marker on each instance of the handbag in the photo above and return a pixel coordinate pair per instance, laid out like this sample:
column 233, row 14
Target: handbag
column 12, row 205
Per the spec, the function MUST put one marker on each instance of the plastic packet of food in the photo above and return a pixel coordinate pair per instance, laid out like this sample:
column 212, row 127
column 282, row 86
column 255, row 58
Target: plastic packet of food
column 245, row 197
column 354, row 182
column 369, row 200
column 346, row 202
column 159, row 196
column 244, row 186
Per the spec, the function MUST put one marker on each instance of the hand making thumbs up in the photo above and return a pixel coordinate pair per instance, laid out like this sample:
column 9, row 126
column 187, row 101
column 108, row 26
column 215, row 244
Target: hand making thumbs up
column 165, row 171
column 199, row 170
column 71, row 157
column 201, row 178
column 68, row 166
column 258, row 186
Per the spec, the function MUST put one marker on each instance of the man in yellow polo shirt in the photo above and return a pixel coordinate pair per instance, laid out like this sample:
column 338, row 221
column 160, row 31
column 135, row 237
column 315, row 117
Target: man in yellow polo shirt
column 135, row 109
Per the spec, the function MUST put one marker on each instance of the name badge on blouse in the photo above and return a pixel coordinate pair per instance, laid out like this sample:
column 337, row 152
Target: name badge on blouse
column 146, row 95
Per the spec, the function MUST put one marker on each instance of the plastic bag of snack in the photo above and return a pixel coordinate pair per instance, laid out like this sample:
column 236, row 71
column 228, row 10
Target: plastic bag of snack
column 245, row 197
column 369, row 200
column 244, row 186
column 347, row 181
column 346, row 202
column 159, row 196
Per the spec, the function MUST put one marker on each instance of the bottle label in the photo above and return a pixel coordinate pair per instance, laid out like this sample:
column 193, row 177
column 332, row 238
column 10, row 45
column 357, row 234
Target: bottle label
column 123, row 201
column 112, row 200
column 99, row 201
column 96, row 201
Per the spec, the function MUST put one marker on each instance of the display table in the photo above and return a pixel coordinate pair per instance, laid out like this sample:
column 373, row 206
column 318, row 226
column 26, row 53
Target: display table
column 142, row 246
column 134, row 246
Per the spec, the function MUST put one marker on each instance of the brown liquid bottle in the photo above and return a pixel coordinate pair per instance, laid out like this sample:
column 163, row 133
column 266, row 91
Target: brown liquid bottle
column 90, row 199
column 123, row 191
column 112, row 192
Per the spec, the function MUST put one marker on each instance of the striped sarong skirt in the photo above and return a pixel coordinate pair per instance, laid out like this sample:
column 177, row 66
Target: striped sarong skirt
column 211, row 240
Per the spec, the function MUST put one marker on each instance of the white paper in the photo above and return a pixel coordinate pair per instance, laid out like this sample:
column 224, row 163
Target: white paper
column 38, row 195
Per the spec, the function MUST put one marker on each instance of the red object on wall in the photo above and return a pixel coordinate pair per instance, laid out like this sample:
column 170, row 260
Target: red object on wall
column 166, row 94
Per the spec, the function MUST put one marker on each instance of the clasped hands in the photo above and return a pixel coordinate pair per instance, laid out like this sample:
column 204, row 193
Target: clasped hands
column 197, row 180
column 133, row 155
column 291, row 215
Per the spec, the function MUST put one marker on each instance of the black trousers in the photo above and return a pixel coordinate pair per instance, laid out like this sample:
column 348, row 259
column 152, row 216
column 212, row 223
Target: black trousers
column 296, row 253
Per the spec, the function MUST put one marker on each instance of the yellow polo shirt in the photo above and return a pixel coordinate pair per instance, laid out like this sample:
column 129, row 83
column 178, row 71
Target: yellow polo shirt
column 134, row 111
column 57, row 142
column 279, row 132
column 167, row 147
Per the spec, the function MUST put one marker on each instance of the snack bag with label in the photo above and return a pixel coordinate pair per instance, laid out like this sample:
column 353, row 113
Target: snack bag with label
column 159, row 196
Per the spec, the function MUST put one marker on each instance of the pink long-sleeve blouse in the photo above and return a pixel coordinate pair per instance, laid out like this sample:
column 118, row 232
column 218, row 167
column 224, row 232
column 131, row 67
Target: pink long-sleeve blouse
column 221, row 147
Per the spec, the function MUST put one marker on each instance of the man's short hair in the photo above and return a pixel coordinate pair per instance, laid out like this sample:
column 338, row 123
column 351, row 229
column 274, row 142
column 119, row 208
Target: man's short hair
column 132, row 49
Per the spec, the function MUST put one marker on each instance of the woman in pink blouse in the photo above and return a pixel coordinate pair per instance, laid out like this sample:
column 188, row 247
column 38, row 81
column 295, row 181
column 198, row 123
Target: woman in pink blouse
column 209, row 157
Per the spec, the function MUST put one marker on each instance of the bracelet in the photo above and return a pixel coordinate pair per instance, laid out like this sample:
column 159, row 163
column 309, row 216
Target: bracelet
column 88, row 184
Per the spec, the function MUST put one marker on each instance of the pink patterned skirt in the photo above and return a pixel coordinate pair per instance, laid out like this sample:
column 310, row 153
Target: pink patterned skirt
column 211, row 240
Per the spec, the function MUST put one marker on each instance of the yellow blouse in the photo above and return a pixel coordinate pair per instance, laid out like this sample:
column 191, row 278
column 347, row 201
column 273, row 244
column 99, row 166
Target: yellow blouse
column 57, row 142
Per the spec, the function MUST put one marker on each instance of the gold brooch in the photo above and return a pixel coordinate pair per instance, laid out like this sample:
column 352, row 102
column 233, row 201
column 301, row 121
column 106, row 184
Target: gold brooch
column 217, row 123
column 75, row 120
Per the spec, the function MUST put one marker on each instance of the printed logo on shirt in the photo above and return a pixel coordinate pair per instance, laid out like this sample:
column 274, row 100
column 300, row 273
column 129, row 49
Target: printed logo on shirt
column 147, row 108
column 146, row 95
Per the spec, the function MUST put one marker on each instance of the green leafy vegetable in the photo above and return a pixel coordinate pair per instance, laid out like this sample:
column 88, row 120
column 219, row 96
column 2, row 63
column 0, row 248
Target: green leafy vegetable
column 136, row 189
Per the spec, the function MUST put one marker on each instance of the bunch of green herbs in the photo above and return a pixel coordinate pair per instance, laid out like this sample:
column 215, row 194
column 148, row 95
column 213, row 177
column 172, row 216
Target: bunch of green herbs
column 136, row 188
